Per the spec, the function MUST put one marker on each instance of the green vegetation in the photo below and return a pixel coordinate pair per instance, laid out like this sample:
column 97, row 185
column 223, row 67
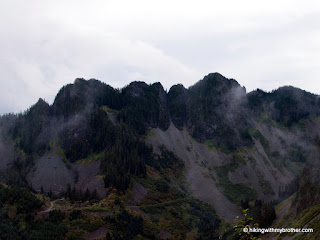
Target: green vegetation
column 298, row 154
column 264, row 142
column 210, row 145
column 245, row 223
column 17, row 144
column 167, row 163
column 125, row 225
column 61, row 153
column 77, row 126
column 23, row 199
column 16, row 173
column 142, row 107
column 305, row 216
column 287, row 106
column 289, row 109
column 263, row 213
column 171, row 208
column 265, row 185
column 73, row 98
column 17, row 220
column 73, row 194
column 108, row 109
column 90, row 158
column 266, row 119
column 315, row 225
column 309, row 191
column 185, row 215
column 234, row 192
column 211, row 105
column 28, row 127
column 122, row 153
column 260, row 215
column 86, row 224
column 238, row 158
column 308, row 218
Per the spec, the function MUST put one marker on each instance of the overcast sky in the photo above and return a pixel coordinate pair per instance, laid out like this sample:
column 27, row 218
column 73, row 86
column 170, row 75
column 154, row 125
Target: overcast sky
column 262, row 44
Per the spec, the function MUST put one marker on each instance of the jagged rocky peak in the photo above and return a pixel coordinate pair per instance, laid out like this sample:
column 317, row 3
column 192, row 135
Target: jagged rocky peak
column 137, row 88
column 79, row 80
column 258, row 92
column 297, row 94
column 178, row 98
column 177, row 93
column 287, row 105
column 79, row 87
column 140, row 89
column 41, row 107
column 41, row 102
column 160, row 93
column 158, row 86
column 216, row 82
column 177, row 89
column 217, row 90
column 91, row 83
column 162, row 99
column 82, row 95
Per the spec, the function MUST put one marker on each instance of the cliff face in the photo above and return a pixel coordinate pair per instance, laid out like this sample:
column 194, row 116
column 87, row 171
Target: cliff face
column 236, row 146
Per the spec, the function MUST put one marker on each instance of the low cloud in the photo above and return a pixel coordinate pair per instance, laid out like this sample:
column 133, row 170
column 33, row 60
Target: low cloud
column 34, row 70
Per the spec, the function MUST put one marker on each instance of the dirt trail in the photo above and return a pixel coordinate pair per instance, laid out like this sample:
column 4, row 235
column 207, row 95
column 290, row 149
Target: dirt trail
column 46, row 211
column 195, row 155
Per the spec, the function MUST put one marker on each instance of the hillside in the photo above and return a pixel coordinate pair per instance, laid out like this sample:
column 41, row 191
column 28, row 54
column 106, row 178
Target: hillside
column 179, row 164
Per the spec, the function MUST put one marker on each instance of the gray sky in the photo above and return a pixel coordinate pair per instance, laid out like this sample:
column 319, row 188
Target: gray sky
column 262, row 44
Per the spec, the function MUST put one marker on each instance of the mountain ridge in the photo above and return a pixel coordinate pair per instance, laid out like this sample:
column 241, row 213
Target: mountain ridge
column 212, row 141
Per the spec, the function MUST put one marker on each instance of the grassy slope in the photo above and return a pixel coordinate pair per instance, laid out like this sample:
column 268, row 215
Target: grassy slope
column 288, row 218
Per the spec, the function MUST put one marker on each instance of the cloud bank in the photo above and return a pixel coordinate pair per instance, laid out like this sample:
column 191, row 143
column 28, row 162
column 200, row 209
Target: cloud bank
column 47, row 44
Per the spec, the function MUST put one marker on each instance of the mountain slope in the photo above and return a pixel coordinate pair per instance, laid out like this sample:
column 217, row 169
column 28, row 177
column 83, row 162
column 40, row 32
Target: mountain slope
column 230, row 147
